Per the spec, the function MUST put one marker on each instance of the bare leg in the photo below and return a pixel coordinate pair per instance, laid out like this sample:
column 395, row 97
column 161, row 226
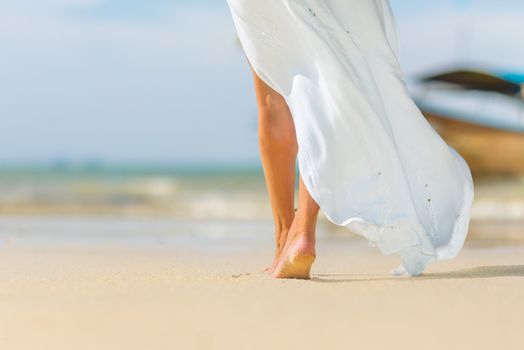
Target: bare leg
column 299, row 251
column 278, row 151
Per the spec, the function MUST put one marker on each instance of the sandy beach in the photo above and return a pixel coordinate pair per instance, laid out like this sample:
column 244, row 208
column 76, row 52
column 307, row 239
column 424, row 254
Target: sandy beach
column 138, row 150
column 144, row 284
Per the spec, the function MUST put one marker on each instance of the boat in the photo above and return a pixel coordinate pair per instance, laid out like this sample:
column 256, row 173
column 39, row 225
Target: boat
column 478, row 113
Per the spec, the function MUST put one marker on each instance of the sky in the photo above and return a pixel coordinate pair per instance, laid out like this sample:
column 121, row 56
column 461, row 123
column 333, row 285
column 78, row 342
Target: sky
column 165, row 81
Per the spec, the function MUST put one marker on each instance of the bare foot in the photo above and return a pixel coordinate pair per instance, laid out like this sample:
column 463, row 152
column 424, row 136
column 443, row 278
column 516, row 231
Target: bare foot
column 269, row 270
column 281, row 242
column 297, row 257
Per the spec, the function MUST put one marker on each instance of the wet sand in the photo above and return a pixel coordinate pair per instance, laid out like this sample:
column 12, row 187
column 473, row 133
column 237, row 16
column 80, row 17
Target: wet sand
column 120, row 284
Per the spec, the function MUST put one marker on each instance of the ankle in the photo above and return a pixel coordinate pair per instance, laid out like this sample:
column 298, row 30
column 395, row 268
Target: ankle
column 281, row 236
column 303, row 237
column 306, row 233
column 283, row 226
column 304, row 225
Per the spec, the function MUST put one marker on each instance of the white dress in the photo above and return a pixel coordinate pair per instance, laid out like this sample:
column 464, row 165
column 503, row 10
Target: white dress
column 366, row 153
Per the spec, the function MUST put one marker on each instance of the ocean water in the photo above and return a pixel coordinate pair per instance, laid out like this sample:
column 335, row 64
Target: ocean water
column 210, row 210
column 185, row 193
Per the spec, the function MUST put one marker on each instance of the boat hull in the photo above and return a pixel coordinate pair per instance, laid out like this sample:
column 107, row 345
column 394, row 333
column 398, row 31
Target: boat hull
column 488, row 151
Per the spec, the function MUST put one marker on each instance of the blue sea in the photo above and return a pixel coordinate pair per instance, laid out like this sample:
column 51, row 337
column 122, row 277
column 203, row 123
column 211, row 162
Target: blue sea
column 183, row 192
column 144, row 205
column 134, row 190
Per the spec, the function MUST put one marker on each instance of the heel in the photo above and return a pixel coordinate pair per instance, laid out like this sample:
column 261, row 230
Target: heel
column 298, row 266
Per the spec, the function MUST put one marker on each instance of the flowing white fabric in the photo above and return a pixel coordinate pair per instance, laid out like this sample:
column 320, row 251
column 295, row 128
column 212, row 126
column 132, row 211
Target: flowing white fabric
column 366, row 153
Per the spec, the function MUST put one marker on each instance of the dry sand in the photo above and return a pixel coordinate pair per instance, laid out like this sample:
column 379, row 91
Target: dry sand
column 170, row 296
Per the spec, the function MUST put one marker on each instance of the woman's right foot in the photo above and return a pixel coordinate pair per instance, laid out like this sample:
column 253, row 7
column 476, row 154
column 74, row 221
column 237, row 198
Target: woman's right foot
column 297, row 258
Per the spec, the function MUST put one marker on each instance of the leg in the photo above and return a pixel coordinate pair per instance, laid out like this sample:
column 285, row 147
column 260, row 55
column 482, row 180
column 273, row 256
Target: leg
column 299, row 252
column 278, row 151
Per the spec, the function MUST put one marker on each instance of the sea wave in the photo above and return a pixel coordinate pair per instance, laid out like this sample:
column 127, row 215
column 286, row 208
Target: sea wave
column 192, row 196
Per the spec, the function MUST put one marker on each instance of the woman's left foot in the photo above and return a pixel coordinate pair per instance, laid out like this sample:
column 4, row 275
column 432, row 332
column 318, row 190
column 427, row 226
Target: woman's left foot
column 269, row 270
column 281, row 242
